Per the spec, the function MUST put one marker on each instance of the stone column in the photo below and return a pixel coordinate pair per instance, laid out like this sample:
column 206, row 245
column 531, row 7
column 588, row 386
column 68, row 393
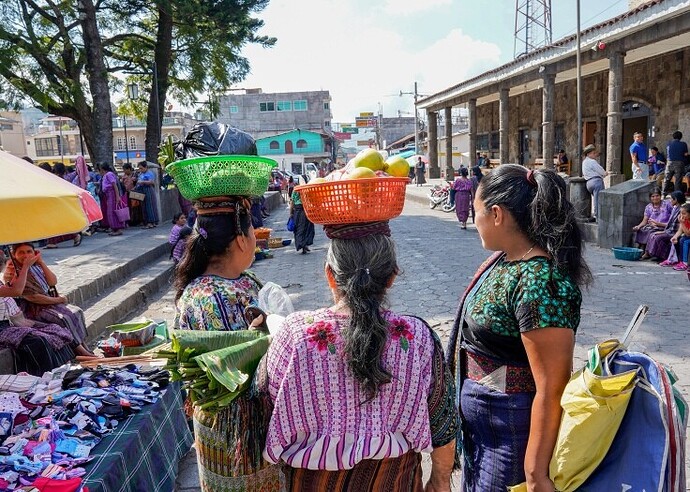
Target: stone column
column 548, row 95
column 432, row 118
column 472, row 115
column 614, row 123
column 447, row 115
column 503, row 125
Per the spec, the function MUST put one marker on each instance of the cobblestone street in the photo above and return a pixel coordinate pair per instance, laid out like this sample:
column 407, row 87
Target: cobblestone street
column 438, row 259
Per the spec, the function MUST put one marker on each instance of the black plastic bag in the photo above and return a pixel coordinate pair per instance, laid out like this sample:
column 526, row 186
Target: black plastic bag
column 214, row 138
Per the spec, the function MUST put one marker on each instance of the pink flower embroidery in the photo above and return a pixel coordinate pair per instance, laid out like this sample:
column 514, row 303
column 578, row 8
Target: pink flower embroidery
column 321, row 334
column 400, row 330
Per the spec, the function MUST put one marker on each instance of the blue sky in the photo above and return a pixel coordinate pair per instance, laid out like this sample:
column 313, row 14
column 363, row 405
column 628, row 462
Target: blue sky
column 366, row 52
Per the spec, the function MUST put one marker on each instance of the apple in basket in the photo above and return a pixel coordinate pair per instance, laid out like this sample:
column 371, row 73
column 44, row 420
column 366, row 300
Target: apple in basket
column 369, row 158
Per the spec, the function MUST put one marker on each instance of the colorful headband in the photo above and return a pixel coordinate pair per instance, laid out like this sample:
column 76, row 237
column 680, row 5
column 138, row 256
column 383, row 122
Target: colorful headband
column 356, row 231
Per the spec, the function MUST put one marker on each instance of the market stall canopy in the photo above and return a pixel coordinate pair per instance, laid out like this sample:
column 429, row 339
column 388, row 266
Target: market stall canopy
column 35, row 204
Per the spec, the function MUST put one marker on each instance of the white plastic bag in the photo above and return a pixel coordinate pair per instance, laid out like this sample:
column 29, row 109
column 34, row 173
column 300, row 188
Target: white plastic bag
column 276, row 303
column 274, row 300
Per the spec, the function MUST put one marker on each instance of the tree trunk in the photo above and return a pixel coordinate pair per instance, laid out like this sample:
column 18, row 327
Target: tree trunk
column 162, row 58
column 98, row 138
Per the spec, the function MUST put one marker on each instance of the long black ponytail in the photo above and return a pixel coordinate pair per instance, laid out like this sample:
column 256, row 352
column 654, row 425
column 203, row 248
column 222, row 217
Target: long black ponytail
column 362, row 269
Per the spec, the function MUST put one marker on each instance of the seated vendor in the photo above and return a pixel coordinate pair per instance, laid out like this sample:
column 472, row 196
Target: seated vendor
column 38, row 347
column 39, row 300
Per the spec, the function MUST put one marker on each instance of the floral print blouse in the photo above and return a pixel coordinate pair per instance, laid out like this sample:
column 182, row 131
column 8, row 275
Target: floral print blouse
column 516, row 297
column 211, row 302
column 321, row 419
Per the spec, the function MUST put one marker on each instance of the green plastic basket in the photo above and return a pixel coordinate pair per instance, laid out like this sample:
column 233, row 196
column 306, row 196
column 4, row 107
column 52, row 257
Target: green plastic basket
column 220, row 175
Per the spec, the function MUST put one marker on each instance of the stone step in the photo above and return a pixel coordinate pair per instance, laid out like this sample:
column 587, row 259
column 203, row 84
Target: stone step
column 96, row 281
column 117, row 303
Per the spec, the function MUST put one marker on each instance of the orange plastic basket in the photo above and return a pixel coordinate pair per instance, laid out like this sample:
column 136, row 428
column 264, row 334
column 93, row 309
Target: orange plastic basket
column 350, row 201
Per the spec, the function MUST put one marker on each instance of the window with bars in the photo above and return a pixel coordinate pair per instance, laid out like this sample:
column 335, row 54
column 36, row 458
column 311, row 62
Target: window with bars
column 274, row 145
column 267, row 106
column 120, row 144
column 132, row 142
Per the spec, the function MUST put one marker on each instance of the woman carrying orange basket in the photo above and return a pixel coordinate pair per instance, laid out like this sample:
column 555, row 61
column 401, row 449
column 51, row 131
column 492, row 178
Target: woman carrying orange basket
column 358, row 391
column 304, row 228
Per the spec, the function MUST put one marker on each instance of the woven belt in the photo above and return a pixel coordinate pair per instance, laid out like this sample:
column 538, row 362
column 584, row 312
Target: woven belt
column 516, row 379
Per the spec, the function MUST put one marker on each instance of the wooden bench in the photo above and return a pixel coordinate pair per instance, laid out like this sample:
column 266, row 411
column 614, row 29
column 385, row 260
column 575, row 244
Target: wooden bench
column 561, row 168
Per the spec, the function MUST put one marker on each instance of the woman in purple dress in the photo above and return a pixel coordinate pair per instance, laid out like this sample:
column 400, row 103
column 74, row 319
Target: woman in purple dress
column 111, row 191
column 656, row 215
column 659, row 243
column 463, row 196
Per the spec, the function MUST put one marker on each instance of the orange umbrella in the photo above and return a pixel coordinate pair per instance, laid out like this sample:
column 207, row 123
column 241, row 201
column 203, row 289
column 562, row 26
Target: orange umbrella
column 35, row 204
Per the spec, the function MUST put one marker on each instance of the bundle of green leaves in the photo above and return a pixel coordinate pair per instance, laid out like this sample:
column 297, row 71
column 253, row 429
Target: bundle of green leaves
column 214, row 366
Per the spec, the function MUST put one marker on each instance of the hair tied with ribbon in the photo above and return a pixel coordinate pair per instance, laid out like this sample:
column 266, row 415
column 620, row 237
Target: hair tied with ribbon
column 202, row 232
column 531, row 179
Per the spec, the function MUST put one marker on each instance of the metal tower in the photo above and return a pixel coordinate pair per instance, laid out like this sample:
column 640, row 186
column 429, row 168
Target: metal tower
column 532, row 26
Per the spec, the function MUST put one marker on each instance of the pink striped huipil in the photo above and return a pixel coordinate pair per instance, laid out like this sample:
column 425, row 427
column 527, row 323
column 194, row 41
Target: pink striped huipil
column 318, row 420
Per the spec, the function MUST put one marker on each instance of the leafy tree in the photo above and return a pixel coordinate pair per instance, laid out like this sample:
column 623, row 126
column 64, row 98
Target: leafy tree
column 51, row 54
column 63, row 58
column 189, row 58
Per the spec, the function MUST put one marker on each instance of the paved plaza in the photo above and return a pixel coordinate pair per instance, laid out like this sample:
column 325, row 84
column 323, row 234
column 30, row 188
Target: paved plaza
column 438, row 260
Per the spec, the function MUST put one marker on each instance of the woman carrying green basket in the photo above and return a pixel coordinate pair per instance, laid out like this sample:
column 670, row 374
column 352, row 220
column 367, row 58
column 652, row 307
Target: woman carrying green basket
column 219, row 338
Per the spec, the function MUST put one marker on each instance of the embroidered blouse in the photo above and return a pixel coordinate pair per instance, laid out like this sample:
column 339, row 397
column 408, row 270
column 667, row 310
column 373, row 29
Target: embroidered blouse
column 516, row 297
column 320, row 420
column 211, row 302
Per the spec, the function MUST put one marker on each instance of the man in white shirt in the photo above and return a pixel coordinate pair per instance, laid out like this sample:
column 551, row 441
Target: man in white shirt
column 594, row 174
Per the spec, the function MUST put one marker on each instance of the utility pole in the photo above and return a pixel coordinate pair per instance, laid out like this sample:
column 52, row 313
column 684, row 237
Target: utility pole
column 416, row 120
column 579, row 88
column 416, row 116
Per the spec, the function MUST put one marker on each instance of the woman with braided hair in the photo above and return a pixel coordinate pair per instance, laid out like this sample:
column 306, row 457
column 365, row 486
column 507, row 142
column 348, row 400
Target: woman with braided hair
column 214, row 290
column 358, row 391
column 512, row 343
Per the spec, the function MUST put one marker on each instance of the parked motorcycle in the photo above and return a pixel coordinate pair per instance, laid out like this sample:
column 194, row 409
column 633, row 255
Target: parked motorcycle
column 439, row 195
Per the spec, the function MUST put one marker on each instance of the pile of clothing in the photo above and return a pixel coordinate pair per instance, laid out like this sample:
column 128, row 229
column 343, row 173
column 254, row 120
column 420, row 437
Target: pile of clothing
column 49, row 425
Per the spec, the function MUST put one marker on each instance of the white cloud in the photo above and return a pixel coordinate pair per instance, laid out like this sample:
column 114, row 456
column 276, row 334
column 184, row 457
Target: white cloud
column 406, row 7
column 325, row 44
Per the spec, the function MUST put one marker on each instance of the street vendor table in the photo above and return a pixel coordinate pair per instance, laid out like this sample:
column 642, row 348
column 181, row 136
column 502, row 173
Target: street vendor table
column 144, row 451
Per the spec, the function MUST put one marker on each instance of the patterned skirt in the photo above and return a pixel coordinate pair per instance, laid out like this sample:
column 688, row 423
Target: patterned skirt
column 495, row 432
column 228, row 448
column 659, row 245
column 149, row 207
column 304, row 229
column 402, row 474
column 642, row 236
column 67, row 315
